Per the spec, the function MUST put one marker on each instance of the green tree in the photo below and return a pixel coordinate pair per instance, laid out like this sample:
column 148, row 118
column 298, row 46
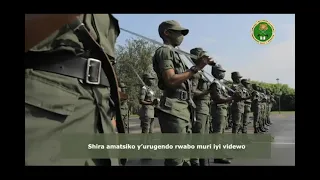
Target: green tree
column 136, row 54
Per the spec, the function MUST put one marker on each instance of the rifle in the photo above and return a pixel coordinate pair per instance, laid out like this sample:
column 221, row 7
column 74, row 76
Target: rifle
column 89, row 43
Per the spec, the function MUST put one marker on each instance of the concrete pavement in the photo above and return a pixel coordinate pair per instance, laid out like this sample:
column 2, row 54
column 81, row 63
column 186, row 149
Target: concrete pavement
column 282, row 149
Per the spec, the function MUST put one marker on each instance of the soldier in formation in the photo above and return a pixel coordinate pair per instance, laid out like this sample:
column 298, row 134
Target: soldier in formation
column 247, row 105
column 174, row 80
column 147, row 101
column 201, row 98
column 264, row 127
column 270, row 103
column 219, row 109
column 124, row 107
column 257, row 109
column 237, row 106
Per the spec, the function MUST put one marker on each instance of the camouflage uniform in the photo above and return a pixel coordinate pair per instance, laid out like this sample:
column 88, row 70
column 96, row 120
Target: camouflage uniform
column 124, row 107
column 237, row 107
column 58, row 98
column 147, row 111
column 174, row 113
column 201, row 98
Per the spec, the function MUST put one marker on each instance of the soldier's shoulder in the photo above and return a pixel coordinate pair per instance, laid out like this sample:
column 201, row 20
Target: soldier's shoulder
column 164, row 49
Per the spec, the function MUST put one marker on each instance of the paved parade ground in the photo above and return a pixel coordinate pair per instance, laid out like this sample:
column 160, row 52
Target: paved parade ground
column 282, row 149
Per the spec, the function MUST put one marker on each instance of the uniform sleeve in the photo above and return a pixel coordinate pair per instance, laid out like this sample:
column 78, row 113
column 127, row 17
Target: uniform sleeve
column 216, row 93
column 165, row 58
column 143, row 93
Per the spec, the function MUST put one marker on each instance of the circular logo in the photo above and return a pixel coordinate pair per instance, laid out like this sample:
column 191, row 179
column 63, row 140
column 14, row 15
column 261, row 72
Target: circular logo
column 263, row 32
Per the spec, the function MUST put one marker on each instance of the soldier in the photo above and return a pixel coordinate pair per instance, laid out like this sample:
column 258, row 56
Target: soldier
column 271, row 102
column 221, row 99
column 62, row 97
column 247, row 105
column 147, row 101
column 237, row 107
column 173, row 78
column 201, row 98
column 263, row 109
column 256, row 107
column 124, row 107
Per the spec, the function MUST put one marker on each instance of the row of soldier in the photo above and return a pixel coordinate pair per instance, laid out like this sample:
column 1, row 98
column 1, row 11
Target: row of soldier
column 194, row 104
column 70, row 87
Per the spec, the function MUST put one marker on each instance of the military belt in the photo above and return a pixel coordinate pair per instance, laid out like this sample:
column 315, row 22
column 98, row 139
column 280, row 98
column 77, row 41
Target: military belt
column 87, row 69
column 178, row 93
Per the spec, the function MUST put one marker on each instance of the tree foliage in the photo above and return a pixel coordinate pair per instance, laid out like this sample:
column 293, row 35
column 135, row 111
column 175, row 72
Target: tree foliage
column 137, row 54
column 282, row 92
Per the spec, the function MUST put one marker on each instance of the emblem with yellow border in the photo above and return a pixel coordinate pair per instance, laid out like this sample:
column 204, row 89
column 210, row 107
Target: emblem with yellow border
column 263, row 32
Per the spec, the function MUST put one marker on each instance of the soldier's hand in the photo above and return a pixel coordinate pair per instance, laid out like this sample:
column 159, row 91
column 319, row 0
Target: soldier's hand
column 155, row 102
column 211, row 62
column 203, row 61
